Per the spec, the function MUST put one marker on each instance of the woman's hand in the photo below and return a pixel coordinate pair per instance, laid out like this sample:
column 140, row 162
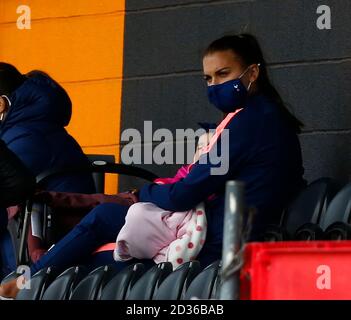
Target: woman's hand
column 131, row 195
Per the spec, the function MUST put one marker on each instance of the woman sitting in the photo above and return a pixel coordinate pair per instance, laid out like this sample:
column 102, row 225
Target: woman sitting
column 263, row 152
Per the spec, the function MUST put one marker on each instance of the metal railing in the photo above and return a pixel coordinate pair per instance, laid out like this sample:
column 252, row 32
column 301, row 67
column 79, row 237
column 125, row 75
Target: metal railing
column 234, row 210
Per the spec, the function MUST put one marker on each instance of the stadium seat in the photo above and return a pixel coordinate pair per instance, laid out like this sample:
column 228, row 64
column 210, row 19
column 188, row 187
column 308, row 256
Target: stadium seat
column 39, row 283
column 308, row 232
column 90, row 288
column 306, row 209
column 99, row 177
column 216, row 287
column 275, row 233
column 176, row 284
column 120, row 285
column 338, row 231
column 148, row 284
column 100, row 166
column 9, row 277
column 335, row 222
column 62, row 287
column 202, row 286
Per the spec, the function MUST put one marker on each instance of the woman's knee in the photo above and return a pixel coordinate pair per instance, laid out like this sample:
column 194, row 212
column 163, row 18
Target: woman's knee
column 107, row 216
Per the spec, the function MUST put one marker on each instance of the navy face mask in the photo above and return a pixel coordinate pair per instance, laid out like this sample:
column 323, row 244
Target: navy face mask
column 228, row 96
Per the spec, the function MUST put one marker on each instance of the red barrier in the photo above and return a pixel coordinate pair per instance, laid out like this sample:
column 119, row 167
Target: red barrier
column 297, row 270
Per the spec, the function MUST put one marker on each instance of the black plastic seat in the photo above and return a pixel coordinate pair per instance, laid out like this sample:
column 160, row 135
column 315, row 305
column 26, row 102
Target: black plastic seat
column 147, row 285
column 336, row 220
column 306, row 210
column 338, row 231
column 90, row 288
column 39, row 283
column 62, row 287
column 309, row 206
column 176, row 284
column 216, row 287
column 309, row 232
column 100, row 165
column 275, row 233
column 202, row 286
column 9, row 277
column 120, row 285
column 99, row 177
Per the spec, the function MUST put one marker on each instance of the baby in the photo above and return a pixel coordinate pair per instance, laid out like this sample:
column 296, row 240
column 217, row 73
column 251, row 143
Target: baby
column 151, row 232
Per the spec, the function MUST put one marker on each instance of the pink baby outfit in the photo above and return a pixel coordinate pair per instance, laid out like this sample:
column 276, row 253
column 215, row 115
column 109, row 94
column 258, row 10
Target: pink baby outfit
column 153, row 233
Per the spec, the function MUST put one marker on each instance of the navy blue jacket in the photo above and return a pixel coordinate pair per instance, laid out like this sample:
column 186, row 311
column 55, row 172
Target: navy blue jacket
column 264, row 153
column 15, row 180
column 34, row 130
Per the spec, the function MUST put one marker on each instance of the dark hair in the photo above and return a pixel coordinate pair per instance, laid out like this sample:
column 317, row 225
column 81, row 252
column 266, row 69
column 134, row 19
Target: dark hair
column 10, row 78
column 247, row 48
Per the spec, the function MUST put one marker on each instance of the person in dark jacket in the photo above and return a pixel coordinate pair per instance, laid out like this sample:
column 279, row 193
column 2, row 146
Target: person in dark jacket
column 16, row 182
column 263, row 152
column 35, row 112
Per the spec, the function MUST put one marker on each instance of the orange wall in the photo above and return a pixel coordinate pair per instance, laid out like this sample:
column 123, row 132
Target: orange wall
column 80, row 44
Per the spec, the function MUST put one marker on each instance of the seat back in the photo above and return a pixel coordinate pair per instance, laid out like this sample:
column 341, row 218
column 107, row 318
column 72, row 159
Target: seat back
column 309, row 232
column 9, row 277
column 120, row 285
column 14, row 230
column 339, row 209
column 147, row 285
column 275, row 233
column 176, row 284
column 99, row 177
column 216, row 290
column 338, row 231
column 203, row 284
column 39, row 283
column 62, row 287
column 309, row 206
column 90, row 288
